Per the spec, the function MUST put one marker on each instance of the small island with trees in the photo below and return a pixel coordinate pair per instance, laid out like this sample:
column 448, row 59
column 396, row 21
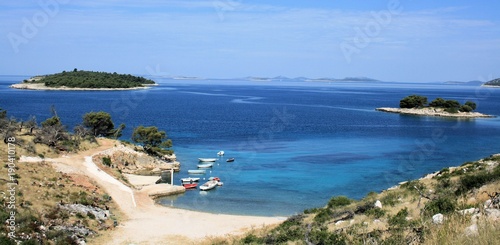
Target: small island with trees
column 493, row 83
column 418, row 105
column 85, row 80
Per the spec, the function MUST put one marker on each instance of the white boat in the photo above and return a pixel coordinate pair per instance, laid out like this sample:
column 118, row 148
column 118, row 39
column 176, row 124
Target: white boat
column 220, row 153
column 209, row 185
column 197, row 171
column 205, row 165
column 190, row 179
column 207, row 159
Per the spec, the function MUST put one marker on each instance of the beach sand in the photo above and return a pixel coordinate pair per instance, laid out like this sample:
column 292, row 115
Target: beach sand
column 147, row 222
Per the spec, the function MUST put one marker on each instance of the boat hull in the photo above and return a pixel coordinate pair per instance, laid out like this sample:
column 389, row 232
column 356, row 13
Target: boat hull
column 197, row 171
column 207, row 159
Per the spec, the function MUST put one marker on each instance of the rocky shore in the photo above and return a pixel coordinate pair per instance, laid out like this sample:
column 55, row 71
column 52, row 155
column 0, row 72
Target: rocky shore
column 434, row 112
column 41, row 86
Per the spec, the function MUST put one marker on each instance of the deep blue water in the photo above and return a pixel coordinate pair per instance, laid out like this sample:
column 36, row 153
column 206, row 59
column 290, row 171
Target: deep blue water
column 296, row 144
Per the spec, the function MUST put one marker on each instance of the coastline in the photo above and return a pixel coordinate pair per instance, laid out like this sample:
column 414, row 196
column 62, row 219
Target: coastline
column 146, row 222
column 40, row 86
column 433, row 112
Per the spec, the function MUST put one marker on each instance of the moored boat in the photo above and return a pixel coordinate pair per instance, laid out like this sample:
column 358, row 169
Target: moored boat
column 220, row 153
column 197, row 171
column 230, row 159
column 190, row 186
column 207, row 159
column 209, row 185
column 190, row 179
column 206, row 165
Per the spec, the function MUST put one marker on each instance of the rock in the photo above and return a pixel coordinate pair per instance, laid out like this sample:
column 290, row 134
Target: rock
column 492, row 214
column 487, row 204
column 471, row 230
column 437, row 219
column 339, row 222
column 469, row 211
column 378, row 204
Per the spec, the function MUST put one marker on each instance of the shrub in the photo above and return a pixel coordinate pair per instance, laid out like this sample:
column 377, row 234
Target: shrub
column 106, row 161
column 252, row 239
column 322, row 236
column 377, row 213
column 413, row 101
column 339, row 201
column 443, row 205
column 399, row 220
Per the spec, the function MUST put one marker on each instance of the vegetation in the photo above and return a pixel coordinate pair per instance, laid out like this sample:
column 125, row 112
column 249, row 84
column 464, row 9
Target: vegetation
column 451, row 106
column 155, row 142
column 100, row 124
column 494, row 82
column 91, row 79
column 406, row 216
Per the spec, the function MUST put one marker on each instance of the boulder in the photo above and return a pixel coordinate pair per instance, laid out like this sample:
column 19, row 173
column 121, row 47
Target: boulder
column 378, row 204
column 469, row 211
column 471, row 230
column 492, row 214
column 438, row 219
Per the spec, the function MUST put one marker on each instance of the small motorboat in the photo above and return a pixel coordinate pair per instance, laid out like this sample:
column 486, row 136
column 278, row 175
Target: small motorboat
column 190, row 186
column 207, row 159
column 230, row 159
column 209, row 185
column 190, row 180
column 206, row 165
column 214, row 178
column 197, row 171
column 220, row 153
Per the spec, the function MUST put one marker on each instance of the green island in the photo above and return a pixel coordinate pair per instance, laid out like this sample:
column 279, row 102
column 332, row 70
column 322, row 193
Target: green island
column 493, row 83
column 85, row 80
column 439, row 107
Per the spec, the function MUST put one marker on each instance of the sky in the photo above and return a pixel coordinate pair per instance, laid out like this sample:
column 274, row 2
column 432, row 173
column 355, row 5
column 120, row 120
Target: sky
column 389, row 40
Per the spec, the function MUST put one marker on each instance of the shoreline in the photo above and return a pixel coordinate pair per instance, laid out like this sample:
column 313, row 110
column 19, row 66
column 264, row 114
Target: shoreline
column 40, row 86
column 433, row 112
column 145, row 221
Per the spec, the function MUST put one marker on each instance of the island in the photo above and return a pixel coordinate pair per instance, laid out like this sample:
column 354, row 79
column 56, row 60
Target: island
column 85, row 80
column 493, row 83
column 417, row 105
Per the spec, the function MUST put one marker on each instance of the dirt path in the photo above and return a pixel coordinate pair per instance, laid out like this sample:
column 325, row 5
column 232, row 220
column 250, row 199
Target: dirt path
column 148, row 223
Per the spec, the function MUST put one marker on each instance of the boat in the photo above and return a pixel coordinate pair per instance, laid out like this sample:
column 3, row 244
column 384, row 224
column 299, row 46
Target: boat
column 197, row 171
column 206, row 165
column 220, row 153
column 209, row 185
column 214, row 178
column 230, row 160
column 207, row 159
column 190, row 186
column 190, row 180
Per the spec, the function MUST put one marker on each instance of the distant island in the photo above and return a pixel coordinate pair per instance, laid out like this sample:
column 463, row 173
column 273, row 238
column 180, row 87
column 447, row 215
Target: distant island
column 85, row 80
column 493, row 83
column 417, row 105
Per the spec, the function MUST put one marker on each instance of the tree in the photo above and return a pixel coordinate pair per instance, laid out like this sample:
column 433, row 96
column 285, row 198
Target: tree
column 452, row 104
column 152, row 140
column 471, row 104
column 99, row 123
column 466, row 108
column 413, row 101
column 438, row 102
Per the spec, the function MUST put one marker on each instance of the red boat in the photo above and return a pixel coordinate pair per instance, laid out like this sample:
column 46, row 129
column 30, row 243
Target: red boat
column 190, row 186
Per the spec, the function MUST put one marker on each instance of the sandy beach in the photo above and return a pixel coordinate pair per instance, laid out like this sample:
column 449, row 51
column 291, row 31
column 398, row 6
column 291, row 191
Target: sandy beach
column 147, row 222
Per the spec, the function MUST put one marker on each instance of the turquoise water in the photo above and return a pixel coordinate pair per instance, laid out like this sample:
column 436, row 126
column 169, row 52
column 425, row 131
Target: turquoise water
column 296, row 144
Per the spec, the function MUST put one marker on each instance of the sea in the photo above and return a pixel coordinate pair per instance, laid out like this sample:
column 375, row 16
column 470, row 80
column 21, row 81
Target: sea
column 296, row 144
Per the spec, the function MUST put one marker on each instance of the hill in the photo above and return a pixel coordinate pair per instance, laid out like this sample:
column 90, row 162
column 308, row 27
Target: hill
column 89, row 80
column 494, row 82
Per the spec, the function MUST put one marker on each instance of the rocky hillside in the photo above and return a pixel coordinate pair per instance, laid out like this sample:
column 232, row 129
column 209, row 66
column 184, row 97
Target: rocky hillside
column 453, row 206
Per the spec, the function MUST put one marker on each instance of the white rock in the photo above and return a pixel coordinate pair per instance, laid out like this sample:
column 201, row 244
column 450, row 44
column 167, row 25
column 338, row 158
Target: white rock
column 469, row 211
column 378, row 204
column 493, row 214
column 487, row 204
column 339, row 222
column 471, row 230
column 437, row 219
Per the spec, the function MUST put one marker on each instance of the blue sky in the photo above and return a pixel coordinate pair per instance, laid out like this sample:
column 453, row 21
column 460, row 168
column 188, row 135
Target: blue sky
column 391, row 40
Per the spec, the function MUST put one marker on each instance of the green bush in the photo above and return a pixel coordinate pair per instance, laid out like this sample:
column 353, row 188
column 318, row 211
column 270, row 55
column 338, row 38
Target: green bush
column 252, row 239
column 106, row 161
column 443, row 205
column 339, row 201
column 399, row 220
column 377, row 213
column 322, row 236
